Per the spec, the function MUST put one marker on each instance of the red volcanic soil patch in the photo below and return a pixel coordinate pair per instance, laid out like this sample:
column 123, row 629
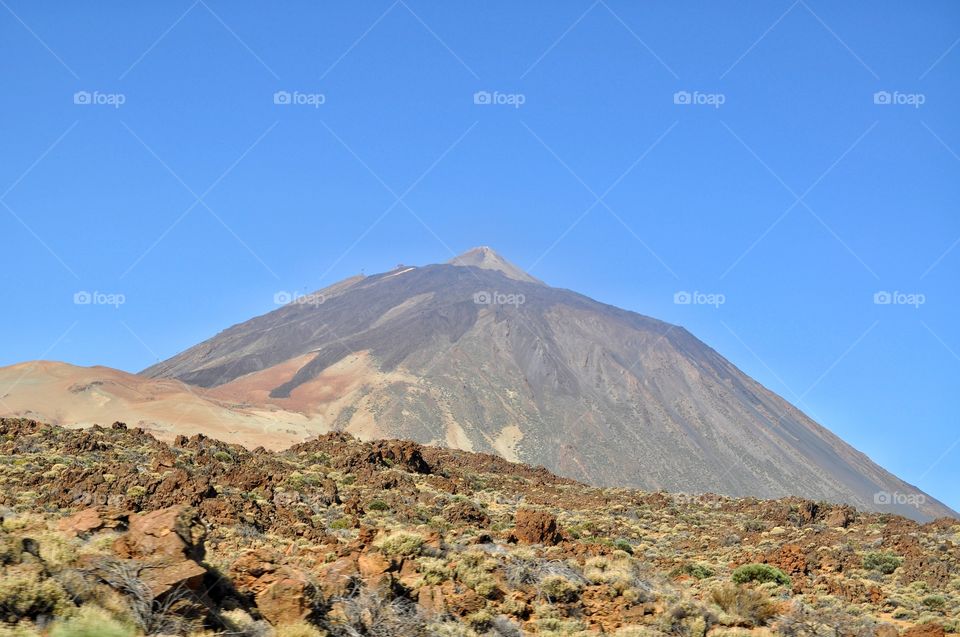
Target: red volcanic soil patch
column 332, row 385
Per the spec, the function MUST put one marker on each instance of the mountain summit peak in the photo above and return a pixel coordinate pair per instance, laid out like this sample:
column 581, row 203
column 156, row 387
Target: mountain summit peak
column 487, row 258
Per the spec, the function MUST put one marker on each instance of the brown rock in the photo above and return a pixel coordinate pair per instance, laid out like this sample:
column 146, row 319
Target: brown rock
column 841, row 517
column 337, row 578
column 409, row 573
column 285, row 599
column 174, row 532
column 169, row 544
column 790, row 559
column 886, row 630
column 165, row 574
column 431, row 600
column 925, row 568
column 163, row 460
column 925, row 630
column 464, row 512
column 247, row 569
column 465, row 603
column 370, row 564
column 535, row 527
column 91, row 520
column 283, row 594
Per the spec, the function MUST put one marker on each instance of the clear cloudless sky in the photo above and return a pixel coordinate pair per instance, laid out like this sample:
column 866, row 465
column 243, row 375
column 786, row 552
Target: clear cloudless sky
column 797, row 198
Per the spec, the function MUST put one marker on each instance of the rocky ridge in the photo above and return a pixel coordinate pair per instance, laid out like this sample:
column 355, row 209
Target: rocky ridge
column 342, row 537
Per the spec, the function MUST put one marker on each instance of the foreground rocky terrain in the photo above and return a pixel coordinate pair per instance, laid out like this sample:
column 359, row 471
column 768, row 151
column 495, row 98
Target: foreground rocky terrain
column 110, row 532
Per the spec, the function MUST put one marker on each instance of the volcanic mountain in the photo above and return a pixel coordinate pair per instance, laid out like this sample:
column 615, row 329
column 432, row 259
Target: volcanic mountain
column 476, row 354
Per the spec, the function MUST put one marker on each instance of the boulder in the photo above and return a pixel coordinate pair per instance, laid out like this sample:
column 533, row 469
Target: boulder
column 283, row 594
column 286, row 599
column 88, row 521
column 337, row 579
column 168, row 543
column 535, row 527
column 840, row 517
column 925, row 630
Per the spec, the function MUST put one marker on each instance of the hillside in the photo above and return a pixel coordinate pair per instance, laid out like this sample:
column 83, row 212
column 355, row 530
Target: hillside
column 477, row 355
column 118, row 534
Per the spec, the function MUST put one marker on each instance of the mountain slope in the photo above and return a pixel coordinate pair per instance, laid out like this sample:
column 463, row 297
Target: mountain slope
column 479, row 358
column 65, row 394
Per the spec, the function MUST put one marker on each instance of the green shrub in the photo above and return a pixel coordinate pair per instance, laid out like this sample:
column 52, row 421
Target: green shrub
column 754, row 526
column 341, row 523
column 935, row 602
column 760, row 573
column 400, row 544
column 223, row 456
column 623, row 545
column 434, row 570
column 298, row 629
column 886, row 563
column 136, row 491
column 752, row 606
column 27, row 596
column 91, row 621
column 23, row 629
column 557, row 588
column 378, row 505
column 697, row 571
column 479, row 620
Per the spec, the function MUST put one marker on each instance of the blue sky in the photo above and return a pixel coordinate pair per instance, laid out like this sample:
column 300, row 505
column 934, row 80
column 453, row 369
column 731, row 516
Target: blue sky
column 784, row 185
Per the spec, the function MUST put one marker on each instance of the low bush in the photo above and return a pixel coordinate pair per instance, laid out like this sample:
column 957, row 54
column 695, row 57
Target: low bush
column 761, row 574
column 559, row 589
column 885, row 563
column 378, row 505
column 623, row 545
column 91, row 621
column 934, row 602
column 27, row 595
column 434, row 570
column 694, row 570
column 400, row 544
column 299, row 629
column 753, row 607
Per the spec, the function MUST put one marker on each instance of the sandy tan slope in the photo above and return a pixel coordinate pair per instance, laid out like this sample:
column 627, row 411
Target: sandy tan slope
column 79, row 396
